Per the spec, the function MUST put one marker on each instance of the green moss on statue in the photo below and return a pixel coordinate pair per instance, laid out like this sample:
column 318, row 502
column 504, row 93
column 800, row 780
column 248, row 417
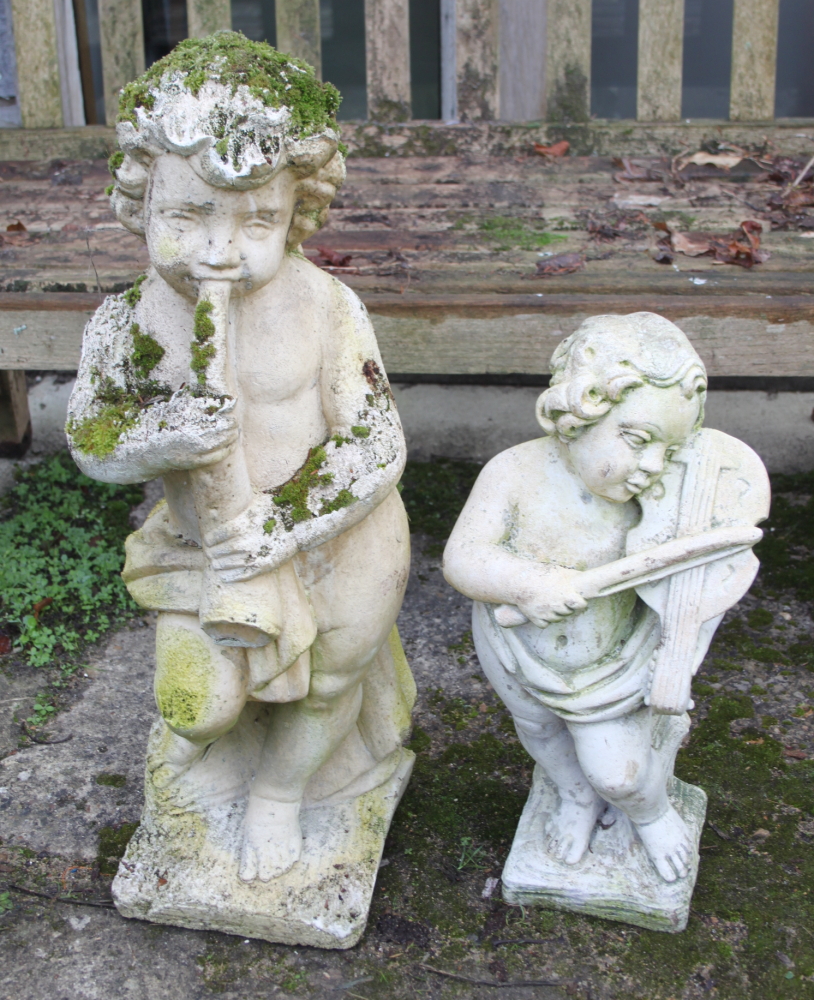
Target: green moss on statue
column 133, row 295
column 229, row 57
column 202, row 349
column 147, row 352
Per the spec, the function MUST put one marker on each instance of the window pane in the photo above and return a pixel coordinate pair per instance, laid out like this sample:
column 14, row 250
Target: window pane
column 425, row 57
column 342, row 25
column 165, row 25
column 614, row 57
column 707, row 58
column 256, row 19
column 794, row 97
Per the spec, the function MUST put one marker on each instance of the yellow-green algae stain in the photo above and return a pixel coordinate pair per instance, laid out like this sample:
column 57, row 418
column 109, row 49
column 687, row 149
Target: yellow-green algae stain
column 182, row 678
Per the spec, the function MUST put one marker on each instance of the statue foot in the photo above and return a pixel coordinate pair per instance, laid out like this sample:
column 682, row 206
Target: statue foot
column 668, row 844
column 272, row 839
column 568, row 831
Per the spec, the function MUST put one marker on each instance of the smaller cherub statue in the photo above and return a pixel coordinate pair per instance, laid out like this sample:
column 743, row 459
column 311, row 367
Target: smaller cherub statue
column 601, row 559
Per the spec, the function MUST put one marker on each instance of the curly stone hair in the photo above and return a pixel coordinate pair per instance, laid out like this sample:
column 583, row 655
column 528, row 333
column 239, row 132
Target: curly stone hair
column 238, row 130
column 607, row 356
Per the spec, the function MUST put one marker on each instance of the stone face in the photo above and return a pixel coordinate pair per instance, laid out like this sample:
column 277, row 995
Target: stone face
column 600, row 560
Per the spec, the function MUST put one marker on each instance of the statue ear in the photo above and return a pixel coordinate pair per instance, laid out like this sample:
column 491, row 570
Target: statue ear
column 129, row 211
column 543, row 419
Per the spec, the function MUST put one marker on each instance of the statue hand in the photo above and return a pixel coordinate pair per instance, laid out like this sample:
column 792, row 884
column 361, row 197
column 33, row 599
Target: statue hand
column 554, row 595
column 254, row 542
column 196, row 432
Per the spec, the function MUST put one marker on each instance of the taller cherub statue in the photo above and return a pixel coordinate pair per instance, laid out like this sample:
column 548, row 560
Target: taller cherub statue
column 601, row 558
column 250, row 381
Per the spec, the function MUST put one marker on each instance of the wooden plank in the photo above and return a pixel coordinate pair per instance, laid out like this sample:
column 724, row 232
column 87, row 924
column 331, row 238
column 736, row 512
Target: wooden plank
column 298, row 31
column 206, row 16
column 522, row 60
column 754, row 59
column 477, row 53
column 568, row 60
column 472, row 334
column 122, row 41
column 661, row 56
column 35, row 43
column 449, row 65
column 387, row 60
column 15, row 420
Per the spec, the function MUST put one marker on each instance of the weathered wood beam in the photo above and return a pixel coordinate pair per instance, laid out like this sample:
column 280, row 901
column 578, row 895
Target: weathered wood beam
column 15, row 420
column 474, row 334
column 568, row 60
column 522, row 60
column 298, row 31
column 122, row 41
column 661, row 60
column 387, row 58
column 754, row 60
column 477, row 56
column 206, row 16
column 35, row 42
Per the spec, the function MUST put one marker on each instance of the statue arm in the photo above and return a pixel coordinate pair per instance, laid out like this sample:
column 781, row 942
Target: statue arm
column 124, row 430
column 364, row 456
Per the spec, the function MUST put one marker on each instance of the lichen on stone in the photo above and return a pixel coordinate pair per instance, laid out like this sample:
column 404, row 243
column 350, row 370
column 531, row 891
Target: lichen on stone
column 183, row 677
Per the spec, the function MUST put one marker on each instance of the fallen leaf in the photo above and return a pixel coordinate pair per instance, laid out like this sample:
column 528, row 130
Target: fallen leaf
column 741, row 248
column 724, row 160
column 563, row 263
column 760, row 832
column 558, row 149
column 663, row 253
column 333, row 258
column 604, row 232
column 794, row 754
column 16, row 227
column 5, row 645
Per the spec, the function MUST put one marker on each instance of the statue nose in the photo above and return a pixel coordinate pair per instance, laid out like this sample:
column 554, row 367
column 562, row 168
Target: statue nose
column 221, row 255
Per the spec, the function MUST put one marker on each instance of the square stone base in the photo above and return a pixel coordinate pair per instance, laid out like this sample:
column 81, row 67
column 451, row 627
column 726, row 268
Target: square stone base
column 615, row 879
column 182, row 870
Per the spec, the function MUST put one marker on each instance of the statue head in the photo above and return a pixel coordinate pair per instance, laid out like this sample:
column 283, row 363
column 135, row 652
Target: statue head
column 643, row 375
column 235, row 116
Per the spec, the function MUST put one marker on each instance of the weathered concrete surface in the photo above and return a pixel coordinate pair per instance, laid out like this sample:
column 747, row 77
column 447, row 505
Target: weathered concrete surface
column 298, row 31
column 35, row 41
column 477, row 50
column 50, row 798
column 206, row 16
column 122, row 40
column 754, row 59
column 568, row 60
column 661, row 54
column 387, row 55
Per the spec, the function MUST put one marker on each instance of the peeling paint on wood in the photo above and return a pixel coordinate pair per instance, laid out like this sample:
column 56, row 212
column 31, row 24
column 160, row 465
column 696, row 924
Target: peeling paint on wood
column 754, row 59
column 568, row 60
column 661, row 55
column 387, row 47
column 206, row 16
column 122, row 38
column 298, row 31
column 35, row 42
column 477, row 53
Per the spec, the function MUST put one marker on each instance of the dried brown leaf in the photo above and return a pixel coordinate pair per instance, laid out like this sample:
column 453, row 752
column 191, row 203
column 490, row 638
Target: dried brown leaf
column 563, row 263
column 558, row 149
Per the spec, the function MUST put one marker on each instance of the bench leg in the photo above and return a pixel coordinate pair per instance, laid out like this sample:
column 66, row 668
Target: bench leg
column 15, row 420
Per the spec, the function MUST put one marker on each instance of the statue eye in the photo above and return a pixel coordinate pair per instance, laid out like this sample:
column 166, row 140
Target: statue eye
column 257, row 229
column 635, row 439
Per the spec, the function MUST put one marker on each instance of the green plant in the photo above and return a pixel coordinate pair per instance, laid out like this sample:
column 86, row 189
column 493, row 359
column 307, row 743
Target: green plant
column 508, row 233
column 472, row 857
column 61, row 541
column 5, row 902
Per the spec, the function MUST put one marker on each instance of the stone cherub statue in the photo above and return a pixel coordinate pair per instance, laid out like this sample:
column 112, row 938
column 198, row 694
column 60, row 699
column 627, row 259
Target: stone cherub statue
column 601, row 559
column 250, row 381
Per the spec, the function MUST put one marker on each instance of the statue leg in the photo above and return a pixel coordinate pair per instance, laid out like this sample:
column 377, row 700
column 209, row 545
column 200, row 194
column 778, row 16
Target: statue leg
column 546, row 737
column 200, row 689
column 618, row 759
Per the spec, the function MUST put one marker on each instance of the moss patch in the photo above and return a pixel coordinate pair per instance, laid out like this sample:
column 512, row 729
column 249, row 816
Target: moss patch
column 435, row 492
column 292, row 497
column 133, row 295
column 229, row 57
column 111, row 780
column 113, row 841
column 98, row 435
column 203, row 350
column 147, row 352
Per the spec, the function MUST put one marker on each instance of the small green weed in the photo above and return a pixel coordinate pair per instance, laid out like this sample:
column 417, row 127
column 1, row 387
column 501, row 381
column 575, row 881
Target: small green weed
column 5, row 902
column 61, row 554
column 472, row 857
